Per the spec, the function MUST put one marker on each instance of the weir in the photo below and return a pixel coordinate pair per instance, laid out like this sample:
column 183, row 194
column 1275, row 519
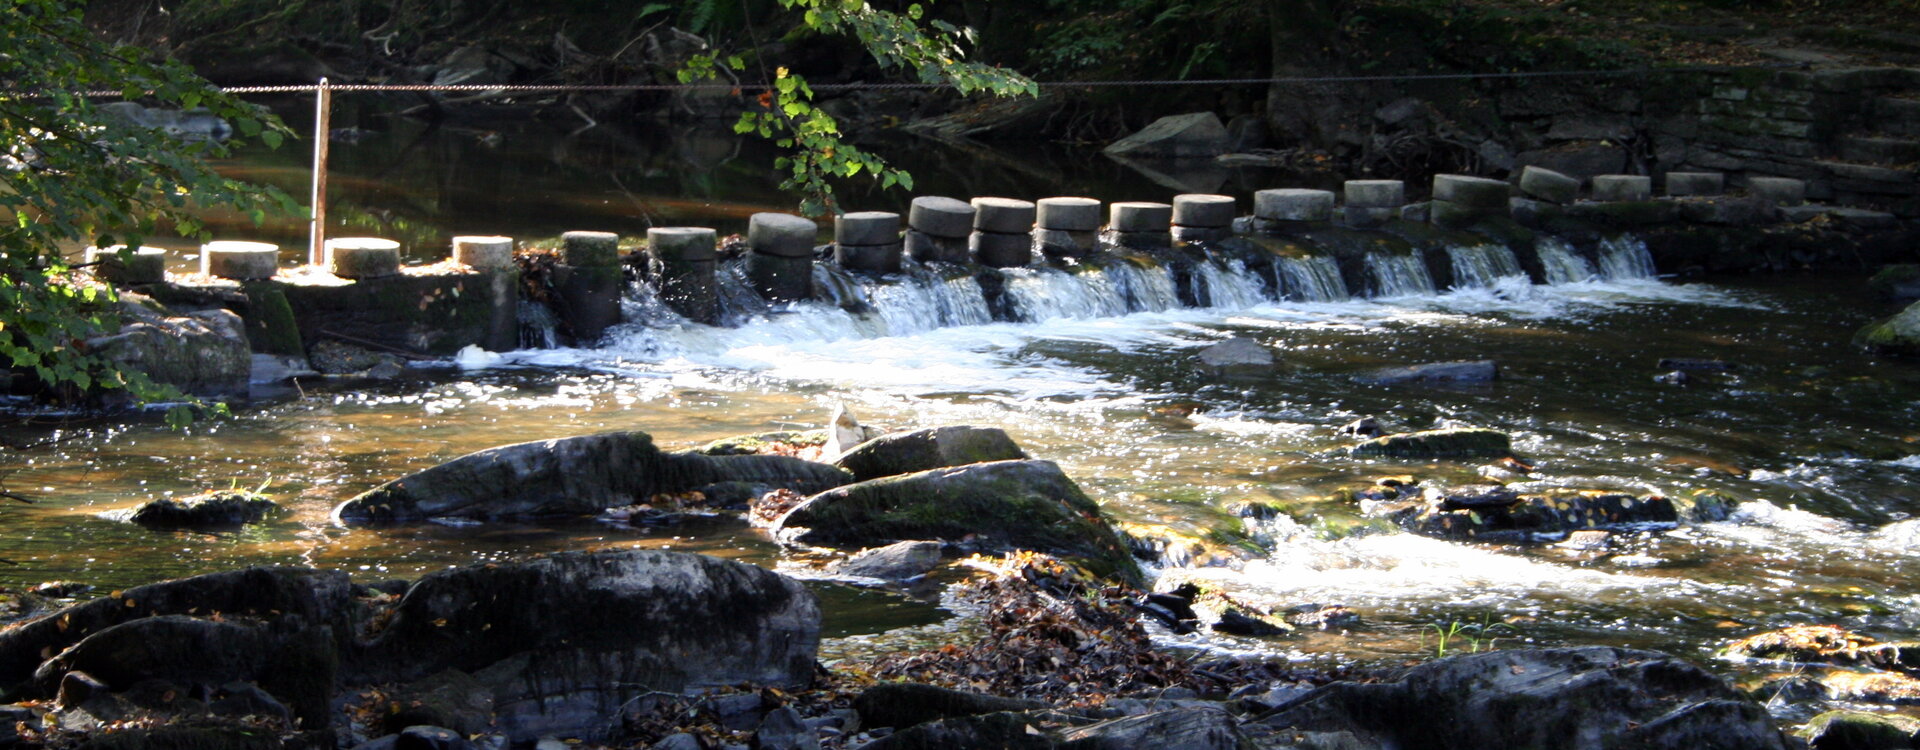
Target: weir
column 959, row 263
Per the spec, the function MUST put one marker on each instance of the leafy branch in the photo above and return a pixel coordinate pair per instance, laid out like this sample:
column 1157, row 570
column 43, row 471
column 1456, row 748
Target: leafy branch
column 786, row 114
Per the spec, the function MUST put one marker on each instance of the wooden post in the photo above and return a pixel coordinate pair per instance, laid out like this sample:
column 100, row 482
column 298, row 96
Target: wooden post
column 322, row 120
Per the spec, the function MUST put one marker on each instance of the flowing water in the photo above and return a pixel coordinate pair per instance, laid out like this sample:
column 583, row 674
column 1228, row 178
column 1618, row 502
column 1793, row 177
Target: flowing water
column 1091, row 365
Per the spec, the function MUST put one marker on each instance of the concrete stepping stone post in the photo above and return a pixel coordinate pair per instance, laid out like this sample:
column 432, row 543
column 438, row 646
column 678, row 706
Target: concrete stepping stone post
column 1285, row 209
column 145, row 265
column 1067, row 226
column 1550, row 186
column 363, row 257
column 1687, row 184
column 587, row 283
column 1140, row 225
column 1371, row 203
column 240, row 261
column 683, row 263
column 868, row 241
column 483, row 253
column 780, row 257
column 1622, row 187
column 1002, row 232
column 937, row 229
column 1460, row 200
column 1780, row 191
column 1202, row 217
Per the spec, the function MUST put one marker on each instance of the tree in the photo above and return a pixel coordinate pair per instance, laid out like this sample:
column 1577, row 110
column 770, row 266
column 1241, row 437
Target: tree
column 69, row 175
column 818, row 153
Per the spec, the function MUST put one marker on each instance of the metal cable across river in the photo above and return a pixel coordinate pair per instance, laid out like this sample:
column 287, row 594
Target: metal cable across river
column 1095, row 368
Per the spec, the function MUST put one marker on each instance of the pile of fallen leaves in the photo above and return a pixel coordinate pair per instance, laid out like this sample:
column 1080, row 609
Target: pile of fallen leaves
column 1053, row 633
column 768, row 508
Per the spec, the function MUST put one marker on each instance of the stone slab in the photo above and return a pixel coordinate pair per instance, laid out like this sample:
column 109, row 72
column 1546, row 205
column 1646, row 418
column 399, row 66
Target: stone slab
column 940, row 216
column 483, row 252
column 1001, row 250
column 1070, row 214
column 1003, row 215
column 682, row 244
column 1478, row 193
column 781, row 235
column 1683, row 184
column 1376, row 193
column 241, row 261
column 1293, row 204
column 1548, row 185
column 1139, row 216
column 867, row 228
column 1203, row 210
column 1622, row 187
column 590, row 249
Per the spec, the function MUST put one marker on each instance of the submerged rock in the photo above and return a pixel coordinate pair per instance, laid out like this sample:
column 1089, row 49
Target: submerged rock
column 1858, row 730
column 1000, row 505
column 572, row 476
column 1199, row 134
column 1479, row 371
column 897, row 561
column 932, row 448
column 224, row 508
column 1503, row 516
column 1825, row 644
column 1464, row 442
column 1897, row 336
column 1589, row 698
column 1238, row 355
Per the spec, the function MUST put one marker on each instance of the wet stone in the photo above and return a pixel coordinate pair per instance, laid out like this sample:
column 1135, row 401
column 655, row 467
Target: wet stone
column 867, row 228
column 928, row 248
column 1200, row 210
column 590, row 249
column 1060, row 243
column 941, row 217
column 1293, row 204
column 681, row 244
column 1201, row 234
column 871, row 258
column 1622, row 187
column 1069, row 214
column 1683, row 184
column 1003, row 215
column 1139, row 217
column 997, row 250
column 781, row 236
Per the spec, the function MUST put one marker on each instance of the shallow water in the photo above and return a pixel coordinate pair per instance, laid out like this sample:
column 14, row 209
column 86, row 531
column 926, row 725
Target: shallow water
column 1818, row 438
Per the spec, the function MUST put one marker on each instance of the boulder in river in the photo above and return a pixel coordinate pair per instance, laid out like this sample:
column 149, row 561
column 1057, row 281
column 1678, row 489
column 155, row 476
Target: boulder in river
column 581, row 475
column 897, row 561
column 1458, row 442
column 564, row 640
column 219, row 509
column 1589, row 698
column 1859, row 730
column 1477, row 371
column 999, row 505
column 1238, row 355
column 1199, row 134
column 931, row 448
column 1896, row 336
column 1504, row 516
column 202, row 353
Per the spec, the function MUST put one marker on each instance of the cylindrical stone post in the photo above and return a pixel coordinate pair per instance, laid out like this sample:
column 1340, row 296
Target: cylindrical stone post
column 937, row 229
column 1685, row 184
column 363, row 257
column 780, row 257
column 241, row 261
column 1067, row 227
column 868, row 241
column 1460, row 200
column 1002, row 232
column 1371, row 203
column 1200, row 217
column 588, row 282
column 483, row 253
column 1140, row 225
column 1291, row 208
column 1547, row 185
column 493, row 256
column 145, row 265
column 1780, row 191
column 1622, row 187
column 682, row 261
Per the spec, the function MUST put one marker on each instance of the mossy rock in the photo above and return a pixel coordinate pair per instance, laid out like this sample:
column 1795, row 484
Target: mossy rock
column 271, row 327
column 932, row 448
column 1464, row 442
column 1897, row 336
column 1900, row 281
column 747, row 445
column 224, row 508
column 1857, row 730
column 1001, row 505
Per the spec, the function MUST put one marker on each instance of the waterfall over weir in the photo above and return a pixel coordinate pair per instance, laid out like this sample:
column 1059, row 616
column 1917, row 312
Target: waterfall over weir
column 1230, row 275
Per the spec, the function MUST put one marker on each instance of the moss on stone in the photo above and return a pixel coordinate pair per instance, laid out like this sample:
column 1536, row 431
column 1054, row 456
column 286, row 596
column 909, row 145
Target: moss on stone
column 1465, row 442
column 1857, row 729
column 744, row 445
column 1898, row 335
column 271, row 327
column 1008, row 505
column 1897, row 281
